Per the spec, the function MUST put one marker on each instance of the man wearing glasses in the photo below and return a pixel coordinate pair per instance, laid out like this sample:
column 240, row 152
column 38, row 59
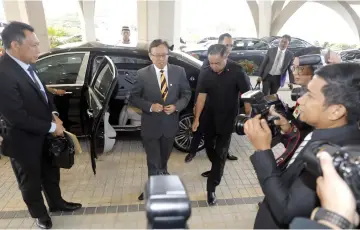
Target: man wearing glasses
column 161, row 92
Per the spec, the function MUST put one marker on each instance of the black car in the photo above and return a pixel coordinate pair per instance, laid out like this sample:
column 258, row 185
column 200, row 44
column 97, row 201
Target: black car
column 98, row 79
column 252, row 49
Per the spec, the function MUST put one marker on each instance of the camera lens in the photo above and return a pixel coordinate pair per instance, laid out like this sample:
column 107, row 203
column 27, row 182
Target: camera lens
column 239, row 123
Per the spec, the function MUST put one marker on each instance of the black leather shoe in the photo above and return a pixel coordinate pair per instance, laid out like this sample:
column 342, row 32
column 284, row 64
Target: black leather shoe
column 205, row 174
column 211, row 198
column 141, row 197
column 189, row 157
column 44, row 222
column 231, row 157
column 66, row 207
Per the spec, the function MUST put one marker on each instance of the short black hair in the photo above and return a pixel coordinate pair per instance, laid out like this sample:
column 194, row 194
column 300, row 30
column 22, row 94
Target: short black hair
column 343, row 87
column 158, row 42
column 223, row 36
column 15, row 31
column 217, row 49
column 125, row 28
column 286, row 36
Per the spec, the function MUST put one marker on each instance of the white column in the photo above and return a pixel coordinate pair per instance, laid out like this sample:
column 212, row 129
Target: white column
column 158, row 19
column 87, row 13
column 264, row 18
column 32, row 13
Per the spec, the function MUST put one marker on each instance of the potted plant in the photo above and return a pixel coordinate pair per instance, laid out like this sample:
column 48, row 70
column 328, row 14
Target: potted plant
column 249, row 66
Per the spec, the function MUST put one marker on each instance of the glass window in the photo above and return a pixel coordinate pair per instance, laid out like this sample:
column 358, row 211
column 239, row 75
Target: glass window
column 103, row 83
column 295, row 43
column 60, row 69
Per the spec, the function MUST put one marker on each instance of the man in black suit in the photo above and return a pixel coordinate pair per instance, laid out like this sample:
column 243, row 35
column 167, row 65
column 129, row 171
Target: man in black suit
column 273, row 69
column 31, row 116
column 161, row 92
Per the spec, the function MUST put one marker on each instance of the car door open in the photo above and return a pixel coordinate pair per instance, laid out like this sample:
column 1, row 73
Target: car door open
column 102, row 136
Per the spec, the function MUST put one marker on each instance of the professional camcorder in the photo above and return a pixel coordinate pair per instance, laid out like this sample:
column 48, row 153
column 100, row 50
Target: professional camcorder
column 260, row 104
column 346, row 160
column 167, row 203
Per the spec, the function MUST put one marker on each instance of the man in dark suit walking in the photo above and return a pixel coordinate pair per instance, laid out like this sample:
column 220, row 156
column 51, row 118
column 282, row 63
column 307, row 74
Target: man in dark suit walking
column 161, row 92
column 30, row 116
column 273, row 69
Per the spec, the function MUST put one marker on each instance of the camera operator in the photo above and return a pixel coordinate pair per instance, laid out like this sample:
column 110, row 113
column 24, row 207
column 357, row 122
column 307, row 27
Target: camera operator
column 332, row 106
column 336, row 198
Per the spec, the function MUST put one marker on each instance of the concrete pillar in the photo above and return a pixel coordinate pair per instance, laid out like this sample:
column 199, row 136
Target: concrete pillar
column 159, row 19
column 264, row 18
column 87, row 13
column 32, row 13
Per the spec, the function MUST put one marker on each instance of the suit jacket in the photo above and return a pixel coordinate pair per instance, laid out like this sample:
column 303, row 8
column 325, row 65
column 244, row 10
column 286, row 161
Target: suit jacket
column 27, row 112
column 292, row 192
column 146, row 92
column 269, row 60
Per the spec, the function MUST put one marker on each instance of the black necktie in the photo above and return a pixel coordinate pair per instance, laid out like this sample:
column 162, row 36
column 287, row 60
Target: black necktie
column 32, row 73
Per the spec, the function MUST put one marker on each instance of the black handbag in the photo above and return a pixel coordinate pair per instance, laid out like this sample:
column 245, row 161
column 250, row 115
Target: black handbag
column 62, row 151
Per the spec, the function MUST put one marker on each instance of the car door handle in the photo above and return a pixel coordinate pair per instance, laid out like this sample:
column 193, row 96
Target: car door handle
column 67, row 92
column 89, row 113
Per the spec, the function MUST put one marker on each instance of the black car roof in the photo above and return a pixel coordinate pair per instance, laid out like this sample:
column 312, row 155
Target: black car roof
column 100, row 47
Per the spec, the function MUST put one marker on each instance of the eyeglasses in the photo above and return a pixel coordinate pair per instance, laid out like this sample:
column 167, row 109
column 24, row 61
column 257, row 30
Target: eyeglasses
column 229, row 46
column 159, row 55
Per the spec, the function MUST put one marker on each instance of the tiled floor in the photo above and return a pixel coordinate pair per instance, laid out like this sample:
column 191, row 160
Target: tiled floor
column 110, row 196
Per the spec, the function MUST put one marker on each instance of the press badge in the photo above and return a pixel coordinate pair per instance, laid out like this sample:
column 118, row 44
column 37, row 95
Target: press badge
column 296, row 112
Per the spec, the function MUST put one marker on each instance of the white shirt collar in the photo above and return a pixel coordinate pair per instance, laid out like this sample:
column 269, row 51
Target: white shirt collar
column 281, row 50
column 22, row 64
column 157, row 70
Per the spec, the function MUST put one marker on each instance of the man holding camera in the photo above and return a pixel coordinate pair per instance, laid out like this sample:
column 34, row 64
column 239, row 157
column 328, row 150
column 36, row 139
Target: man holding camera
column 220, row 89
column 332, row 106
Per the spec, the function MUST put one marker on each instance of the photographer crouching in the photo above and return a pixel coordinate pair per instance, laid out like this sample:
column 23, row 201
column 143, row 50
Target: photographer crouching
column 332, row 106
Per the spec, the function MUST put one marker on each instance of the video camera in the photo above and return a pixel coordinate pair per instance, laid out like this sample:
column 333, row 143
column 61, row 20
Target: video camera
column 167, row 204
column 260, row 104
column 346, row 160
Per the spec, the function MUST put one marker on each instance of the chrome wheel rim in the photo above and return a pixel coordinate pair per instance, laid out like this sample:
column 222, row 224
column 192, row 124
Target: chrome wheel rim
column 184, row 136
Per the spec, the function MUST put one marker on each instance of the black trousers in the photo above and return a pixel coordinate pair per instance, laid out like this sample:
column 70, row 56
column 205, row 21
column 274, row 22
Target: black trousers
column 158, row 152
column 198, row 135
column 271, row 84
column 34, row 178
column 217, row 147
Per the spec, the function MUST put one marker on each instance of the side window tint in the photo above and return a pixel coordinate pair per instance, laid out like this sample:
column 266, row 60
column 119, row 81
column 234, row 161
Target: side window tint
column 127, row 68
column 295, row 43
column 60, row 69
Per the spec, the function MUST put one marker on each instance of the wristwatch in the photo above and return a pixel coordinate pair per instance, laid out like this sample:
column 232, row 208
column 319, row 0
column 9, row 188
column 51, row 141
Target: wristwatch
column 333, row 218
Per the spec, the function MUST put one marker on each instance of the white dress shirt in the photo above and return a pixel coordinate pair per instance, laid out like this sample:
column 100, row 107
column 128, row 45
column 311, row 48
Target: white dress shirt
column 276, row 70
column 25, row 67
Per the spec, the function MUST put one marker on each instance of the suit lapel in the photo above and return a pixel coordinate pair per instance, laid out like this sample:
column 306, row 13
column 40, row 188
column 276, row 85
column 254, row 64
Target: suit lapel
column 170, row 79
column 23, row 75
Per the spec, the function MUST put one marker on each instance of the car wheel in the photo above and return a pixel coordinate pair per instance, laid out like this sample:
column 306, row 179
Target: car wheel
column 184, row 136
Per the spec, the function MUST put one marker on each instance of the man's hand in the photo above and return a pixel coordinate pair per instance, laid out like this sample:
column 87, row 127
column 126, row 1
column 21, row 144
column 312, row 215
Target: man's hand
column 296, row 61
column 195, row 125
column 59, row 131
column 283, row 123
column 335, row 195
column 169, row 109
column 258, row 133
column 60, row 92
column 157, row 108
column 57, row 120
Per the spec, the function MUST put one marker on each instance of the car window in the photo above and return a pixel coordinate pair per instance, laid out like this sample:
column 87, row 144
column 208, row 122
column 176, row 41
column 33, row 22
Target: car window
column 127, row 67
column 60, row 69
column 296, row 43
column 192, row 72
column 103, row 83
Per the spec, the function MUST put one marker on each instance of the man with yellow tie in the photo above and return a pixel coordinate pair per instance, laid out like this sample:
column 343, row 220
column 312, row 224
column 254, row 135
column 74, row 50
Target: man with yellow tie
column 161, row 92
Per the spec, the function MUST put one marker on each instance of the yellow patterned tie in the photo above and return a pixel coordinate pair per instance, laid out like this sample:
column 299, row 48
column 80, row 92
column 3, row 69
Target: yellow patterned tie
column 164, row 88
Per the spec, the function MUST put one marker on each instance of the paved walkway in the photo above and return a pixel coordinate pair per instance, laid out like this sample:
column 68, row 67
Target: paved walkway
column 110, row 197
